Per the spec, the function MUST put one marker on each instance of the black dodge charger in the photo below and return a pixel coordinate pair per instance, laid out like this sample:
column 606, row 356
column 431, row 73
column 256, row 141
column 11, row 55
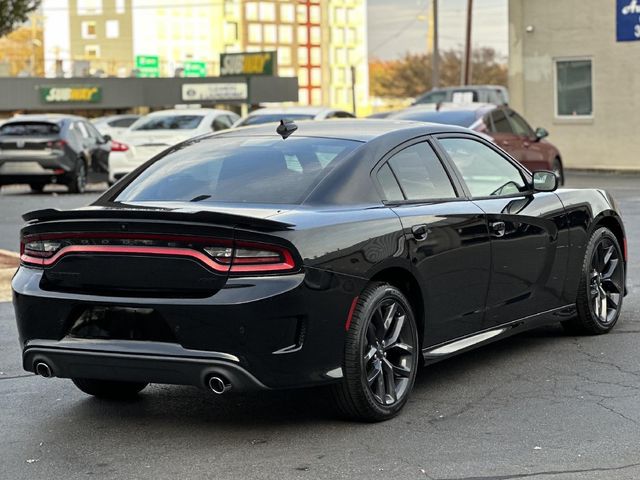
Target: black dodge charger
column 344, row 253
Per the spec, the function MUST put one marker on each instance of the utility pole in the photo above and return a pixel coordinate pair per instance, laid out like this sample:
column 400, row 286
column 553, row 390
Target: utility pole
column 353, row 89
column 467, row 50
column 435, row 53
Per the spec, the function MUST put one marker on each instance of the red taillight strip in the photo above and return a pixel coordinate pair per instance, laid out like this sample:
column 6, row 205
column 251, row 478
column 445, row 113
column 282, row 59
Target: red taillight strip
column 118, row 249
column 243, row 266
column 351, row 312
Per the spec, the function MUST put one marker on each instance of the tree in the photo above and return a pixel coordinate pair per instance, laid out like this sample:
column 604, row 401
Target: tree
column 411, row 75
column 15, row 12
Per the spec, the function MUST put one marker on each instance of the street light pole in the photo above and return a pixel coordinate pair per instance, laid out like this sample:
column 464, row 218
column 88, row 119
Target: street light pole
column 467, row 50
column 435, row 54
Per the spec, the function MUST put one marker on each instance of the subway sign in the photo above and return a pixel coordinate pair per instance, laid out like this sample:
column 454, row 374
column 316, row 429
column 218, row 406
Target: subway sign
column 627, row 20
column 253, row 63
column 70, row 94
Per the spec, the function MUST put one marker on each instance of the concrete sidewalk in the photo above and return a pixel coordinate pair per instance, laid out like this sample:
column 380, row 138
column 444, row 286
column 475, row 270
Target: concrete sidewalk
column 9, row 262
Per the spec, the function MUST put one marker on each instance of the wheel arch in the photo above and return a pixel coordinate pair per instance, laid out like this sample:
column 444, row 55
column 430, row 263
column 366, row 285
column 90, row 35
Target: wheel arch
column 407, row 283
column 613, row 222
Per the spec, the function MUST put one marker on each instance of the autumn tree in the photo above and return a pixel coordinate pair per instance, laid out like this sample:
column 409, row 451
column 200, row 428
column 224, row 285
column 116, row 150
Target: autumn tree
column 15, row 12
column 411, row 75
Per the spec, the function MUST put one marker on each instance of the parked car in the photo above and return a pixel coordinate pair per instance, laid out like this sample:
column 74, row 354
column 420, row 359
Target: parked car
column 343, row 254
column 43, row 149
column 496, row 94
column 508, row 129
column 157, row 131
column 271, row 115
column 114, row 125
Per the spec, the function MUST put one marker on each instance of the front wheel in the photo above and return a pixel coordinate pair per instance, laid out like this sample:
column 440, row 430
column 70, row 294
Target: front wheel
column 381, row 356
column 110, row 389
column 601, row 289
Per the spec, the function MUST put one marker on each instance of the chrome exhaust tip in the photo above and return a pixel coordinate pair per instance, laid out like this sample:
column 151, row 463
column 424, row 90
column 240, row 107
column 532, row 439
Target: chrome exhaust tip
column 218, row 385
column 43, row 370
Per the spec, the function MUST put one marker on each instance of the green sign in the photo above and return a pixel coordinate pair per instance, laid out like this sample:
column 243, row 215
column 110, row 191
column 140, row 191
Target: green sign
column 194, row 69
column 70, row 94
column 148, row 66
column 254, row 63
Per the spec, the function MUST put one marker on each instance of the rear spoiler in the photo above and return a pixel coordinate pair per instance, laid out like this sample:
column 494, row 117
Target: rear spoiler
column 177, row 215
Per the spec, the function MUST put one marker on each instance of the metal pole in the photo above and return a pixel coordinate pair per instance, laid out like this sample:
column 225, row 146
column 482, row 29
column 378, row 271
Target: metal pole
column 467, row 50
column 435, row 54
column 353, row 89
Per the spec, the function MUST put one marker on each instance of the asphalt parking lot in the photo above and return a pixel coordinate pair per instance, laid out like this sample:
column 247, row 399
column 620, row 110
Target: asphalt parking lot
column 541, row 405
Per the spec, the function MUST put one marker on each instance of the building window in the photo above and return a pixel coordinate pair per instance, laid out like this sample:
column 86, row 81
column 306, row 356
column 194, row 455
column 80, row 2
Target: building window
column 316, row 56
column 286, row 34
column 287, row 13
column 574, row 88
column 231, row 8
column 302, row 14
column 255, row 33
column 267, row 12
column 92, row 51
column 270, row 33
column 88, row 29
column 230, row 32
column 112, row 28
column 251, row 11
column 120, row 6
column 284, row 56
column 303, row 55
column 314, row 14
column 89, row 7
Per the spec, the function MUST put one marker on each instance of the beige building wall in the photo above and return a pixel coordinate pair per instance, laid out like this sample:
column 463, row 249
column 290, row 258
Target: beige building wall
column 543, row 32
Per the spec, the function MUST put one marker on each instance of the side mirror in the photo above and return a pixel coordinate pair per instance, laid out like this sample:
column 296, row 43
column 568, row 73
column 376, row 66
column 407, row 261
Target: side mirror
column 106, row 138
column 544, row 181
column 541, row 133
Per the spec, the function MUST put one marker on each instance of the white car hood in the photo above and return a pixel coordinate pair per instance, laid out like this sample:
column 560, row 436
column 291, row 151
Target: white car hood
column 158, row 138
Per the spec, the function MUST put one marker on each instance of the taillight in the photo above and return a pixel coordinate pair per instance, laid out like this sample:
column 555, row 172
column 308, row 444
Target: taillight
column 253, row 258
column 119, row 146
column 35, row 251
column 56, row 145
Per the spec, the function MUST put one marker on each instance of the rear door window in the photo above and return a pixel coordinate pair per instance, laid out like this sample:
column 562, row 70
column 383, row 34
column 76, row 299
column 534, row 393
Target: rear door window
column 500, row 122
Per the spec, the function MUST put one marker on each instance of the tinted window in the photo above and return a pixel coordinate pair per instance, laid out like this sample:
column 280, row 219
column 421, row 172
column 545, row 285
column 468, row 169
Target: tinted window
column 122, row 122
column 341, row 115
column 520, row 126
column 82, row 129
column 29, row 128
column 168, row 122
column 235, row 169
column 432, row 97
column 389, row 184
column 500, row 122
column 574, row 89
column 462, row 118
column 275, row 117
column 221, row 122
column 486, row 172
column 420, row 173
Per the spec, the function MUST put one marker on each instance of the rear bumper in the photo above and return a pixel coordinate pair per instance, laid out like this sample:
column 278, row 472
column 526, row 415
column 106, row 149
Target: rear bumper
column 49, row 168
column 113, row 360
column 264, row 332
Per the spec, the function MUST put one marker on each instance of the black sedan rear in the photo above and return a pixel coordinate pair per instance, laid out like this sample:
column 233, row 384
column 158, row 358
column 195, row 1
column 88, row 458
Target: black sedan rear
column 59, row 149
column 346, row 255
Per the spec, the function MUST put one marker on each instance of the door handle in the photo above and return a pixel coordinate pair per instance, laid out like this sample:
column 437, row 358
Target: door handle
column 498, row 229
column 420, row 232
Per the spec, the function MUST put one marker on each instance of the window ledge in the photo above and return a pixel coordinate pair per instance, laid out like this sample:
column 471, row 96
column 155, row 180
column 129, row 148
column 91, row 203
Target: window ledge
column 577, row 120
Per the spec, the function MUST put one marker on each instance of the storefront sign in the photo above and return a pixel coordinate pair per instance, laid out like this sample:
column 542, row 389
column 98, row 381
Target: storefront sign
column 71, row 94
column 628, row 20
column 214, row 91
column 255, row 63
column 147, row 66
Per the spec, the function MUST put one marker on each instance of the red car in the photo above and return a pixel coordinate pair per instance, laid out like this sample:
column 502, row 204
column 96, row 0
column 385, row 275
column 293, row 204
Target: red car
column 503, row 124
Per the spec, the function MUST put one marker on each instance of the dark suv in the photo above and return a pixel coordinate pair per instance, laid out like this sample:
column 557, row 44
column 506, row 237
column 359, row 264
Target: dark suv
column 43, row 149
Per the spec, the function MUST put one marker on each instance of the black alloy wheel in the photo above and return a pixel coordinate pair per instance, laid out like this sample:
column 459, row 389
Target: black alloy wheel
column 78, row 182
column 602, row 287
column 381, row 356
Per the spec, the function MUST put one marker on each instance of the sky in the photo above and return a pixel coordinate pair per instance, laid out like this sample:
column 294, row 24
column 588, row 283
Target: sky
column 400, row 26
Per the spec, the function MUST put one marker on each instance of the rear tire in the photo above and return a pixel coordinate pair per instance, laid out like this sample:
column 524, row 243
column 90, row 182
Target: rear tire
column 380, row 356
column 558, row 169
column 601, row 289
column 37, row 187
column 110, row 389
column 78, row 182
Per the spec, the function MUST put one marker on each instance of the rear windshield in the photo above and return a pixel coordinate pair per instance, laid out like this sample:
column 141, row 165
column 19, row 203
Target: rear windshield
column 274, row 117
column 168, row 122
column 462, row 118
column 239, row 170
column 29, row 128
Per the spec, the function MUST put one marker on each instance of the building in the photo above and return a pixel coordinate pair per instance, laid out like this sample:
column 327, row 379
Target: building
column 573, row 69
column 101, row 33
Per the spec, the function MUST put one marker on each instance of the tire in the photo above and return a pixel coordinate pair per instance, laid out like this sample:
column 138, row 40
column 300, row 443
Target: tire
column 78, row 182
column 110, row 389
column 388, row 356
column 37, row 187
column 601, row 289
column 558, row 169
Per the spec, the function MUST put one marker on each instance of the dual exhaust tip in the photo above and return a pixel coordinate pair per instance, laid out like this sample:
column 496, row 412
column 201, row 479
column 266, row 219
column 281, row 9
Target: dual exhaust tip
column 218, row 385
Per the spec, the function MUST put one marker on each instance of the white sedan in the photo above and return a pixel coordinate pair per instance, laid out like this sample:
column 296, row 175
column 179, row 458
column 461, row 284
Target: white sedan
column 271, row 115
column 158, row 131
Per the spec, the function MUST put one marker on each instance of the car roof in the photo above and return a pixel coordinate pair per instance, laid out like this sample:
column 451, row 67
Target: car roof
column 470, row 87
column 292, row 110
column 108, row 118
column 362, row 130
column 44, row 117
column 447, row 107
column 190, row 111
